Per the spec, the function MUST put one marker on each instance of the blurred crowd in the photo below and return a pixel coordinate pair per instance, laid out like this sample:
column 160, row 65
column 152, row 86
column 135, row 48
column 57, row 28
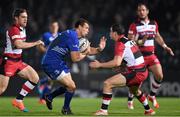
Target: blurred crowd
column 100, row 13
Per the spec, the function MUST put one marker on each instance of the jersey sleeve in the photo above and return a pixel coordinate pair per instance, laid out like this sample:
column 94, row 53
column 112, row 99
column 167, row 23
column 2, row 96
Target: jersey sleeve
column 132, row 29
column 119, row 49
column 73, row 43
column 157, row 27
column 14, row 34
column 45, row 39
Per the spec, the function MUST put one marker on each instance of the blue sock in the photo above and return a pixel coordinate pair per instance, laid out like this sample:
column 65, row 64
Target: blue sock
column 57, row 92
column 45, row 91
column 67, row 100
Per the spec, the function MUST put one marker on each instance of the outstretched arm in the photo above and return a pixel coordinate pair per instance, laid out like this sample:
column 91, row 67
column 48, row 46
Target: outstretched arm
column 161, row 42
column 110, row 64
column 100, row 48
column 23, row 45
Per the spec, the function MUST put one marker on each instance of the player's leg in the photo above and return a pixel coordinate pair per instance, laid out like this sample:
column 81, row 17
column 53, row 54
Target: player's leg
column 26, row 72
column 69, row 85
column 4, row 81
column 66, row 110
column 156, row 70
column 130, row 100
column 115, row 81
column 142, row 99
column 43, row 88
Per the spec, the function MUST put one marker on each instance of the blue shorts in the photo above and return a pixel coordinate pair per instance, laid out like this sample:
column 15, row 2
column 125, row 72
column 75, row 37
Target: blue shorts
column 55, row 69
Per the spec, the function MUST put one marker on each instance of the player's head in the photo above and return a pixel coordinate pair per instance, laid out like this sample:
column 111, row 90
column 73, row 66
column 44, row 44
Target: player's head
column 20, row 17
column 54, row 26
column 142, row 11
column 82, row 27
column 116, row 31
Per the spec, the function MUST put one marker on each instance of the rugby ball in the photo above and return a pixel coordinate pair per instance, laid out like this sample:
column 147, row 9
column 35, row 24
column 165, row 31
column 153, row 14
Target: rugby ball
column 83, row 44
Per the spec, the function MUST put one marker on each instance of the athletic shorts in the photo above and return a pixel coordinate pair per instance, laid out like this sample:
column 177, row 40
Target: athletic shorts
column 56, row 70
column 136, row 77
column 11, row 67
column 151, row 60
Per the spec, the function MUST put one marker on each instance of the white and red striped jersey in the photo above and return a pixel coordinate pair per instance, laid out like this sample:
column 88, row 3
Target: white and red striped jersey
column 139, row 29
column 15, row 32
column 130, row 53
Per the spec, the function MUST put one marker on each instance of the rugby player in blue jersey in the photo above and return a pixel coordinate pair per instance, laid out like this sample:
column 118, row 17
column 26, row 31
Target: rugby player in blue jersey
column 54, row 63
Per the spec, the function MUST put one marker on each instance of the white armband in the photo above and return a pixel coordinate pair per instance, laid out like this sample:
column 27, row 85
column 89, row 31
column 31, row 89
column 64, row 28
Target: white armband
column 164, row 45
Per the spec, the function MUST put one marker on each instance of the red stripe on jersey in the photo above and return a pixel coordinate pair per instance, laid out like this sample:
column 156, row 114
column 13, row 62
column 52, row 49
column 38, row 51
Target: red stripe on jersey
column 26, row 88
column 147, row 48
column 119, row 48
column 23, row 39
column 104, row 98
column 12, row 55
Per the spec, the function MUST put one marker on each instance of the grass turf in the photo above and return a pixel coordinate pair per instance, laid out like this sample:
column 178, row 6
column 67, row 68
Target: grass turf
column 87, row 106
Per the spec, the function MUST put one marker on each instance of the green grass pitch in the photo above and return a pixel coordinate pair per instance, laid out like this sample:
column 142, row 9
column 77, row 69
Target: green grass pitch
column 87, row 106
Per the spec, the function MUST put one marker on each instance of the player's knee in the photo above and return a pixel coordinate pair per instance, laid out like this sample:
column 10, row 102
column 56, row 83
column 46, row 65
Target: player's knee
column 107, row 84
column 71, row 87
column 159, row 77
column 34, row 79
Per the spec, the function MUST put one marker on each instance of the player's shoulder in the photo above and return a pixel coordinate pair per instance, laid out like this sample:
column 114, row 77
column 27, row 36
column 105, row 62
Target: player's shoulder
column 13, row 28
column 46, row 34
column 152, row 21
column 123, row 40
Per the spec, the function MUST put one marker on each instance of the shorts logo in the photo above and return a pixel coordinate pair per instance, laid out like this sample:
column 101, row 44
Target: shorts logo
column 56, row 72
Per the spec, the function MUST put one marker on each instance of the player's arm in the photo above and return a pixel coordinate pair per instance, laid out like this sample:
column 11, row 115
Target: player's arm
column 77, row 56
column 161, row 42
column 100, row 48
column 116, row 61
column 133, row 35
column 20, row 44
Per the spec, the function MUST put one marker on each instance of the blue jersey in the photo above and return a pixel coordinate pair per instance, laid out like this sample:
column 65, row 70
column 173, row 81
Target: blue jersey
column 54, row 61
column 47, row 38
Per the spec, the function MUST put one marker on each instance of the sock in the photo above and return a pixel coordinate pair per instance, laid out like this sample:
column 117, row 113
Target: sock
column 27, row 87
column 67, row 100
column 45, row 91
column 155, row 85
column 142, row 98
column 57, row 92
column 106, row 101
column 130, row 97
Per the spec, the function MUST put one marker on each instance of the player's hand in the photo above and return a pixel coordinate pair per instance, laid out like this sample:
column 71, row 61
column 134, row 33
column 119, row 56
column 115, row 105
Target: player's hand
column 102, row 43
column 95, row 64
column 87, row 51
column 39, row 42
column 142, row 41
column 169, row 50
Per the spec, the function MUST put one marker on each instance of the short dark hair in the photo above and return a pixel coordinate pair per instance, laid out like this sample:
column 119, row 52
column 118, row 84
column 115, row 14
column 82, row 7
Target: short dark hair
column 118, row 28
column 53, row 21
column 80, row 22
column 18, row 11
column 142, row 4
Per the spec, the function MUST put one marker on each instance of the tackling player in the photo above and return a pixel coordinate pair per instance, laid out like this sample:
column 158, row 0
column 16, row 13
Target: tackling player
column 128, row 51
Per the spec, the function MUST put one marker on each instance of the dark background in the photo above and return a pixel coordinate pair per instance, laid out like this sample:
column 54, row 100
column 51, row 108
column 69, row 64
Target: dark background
column 101, row 14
